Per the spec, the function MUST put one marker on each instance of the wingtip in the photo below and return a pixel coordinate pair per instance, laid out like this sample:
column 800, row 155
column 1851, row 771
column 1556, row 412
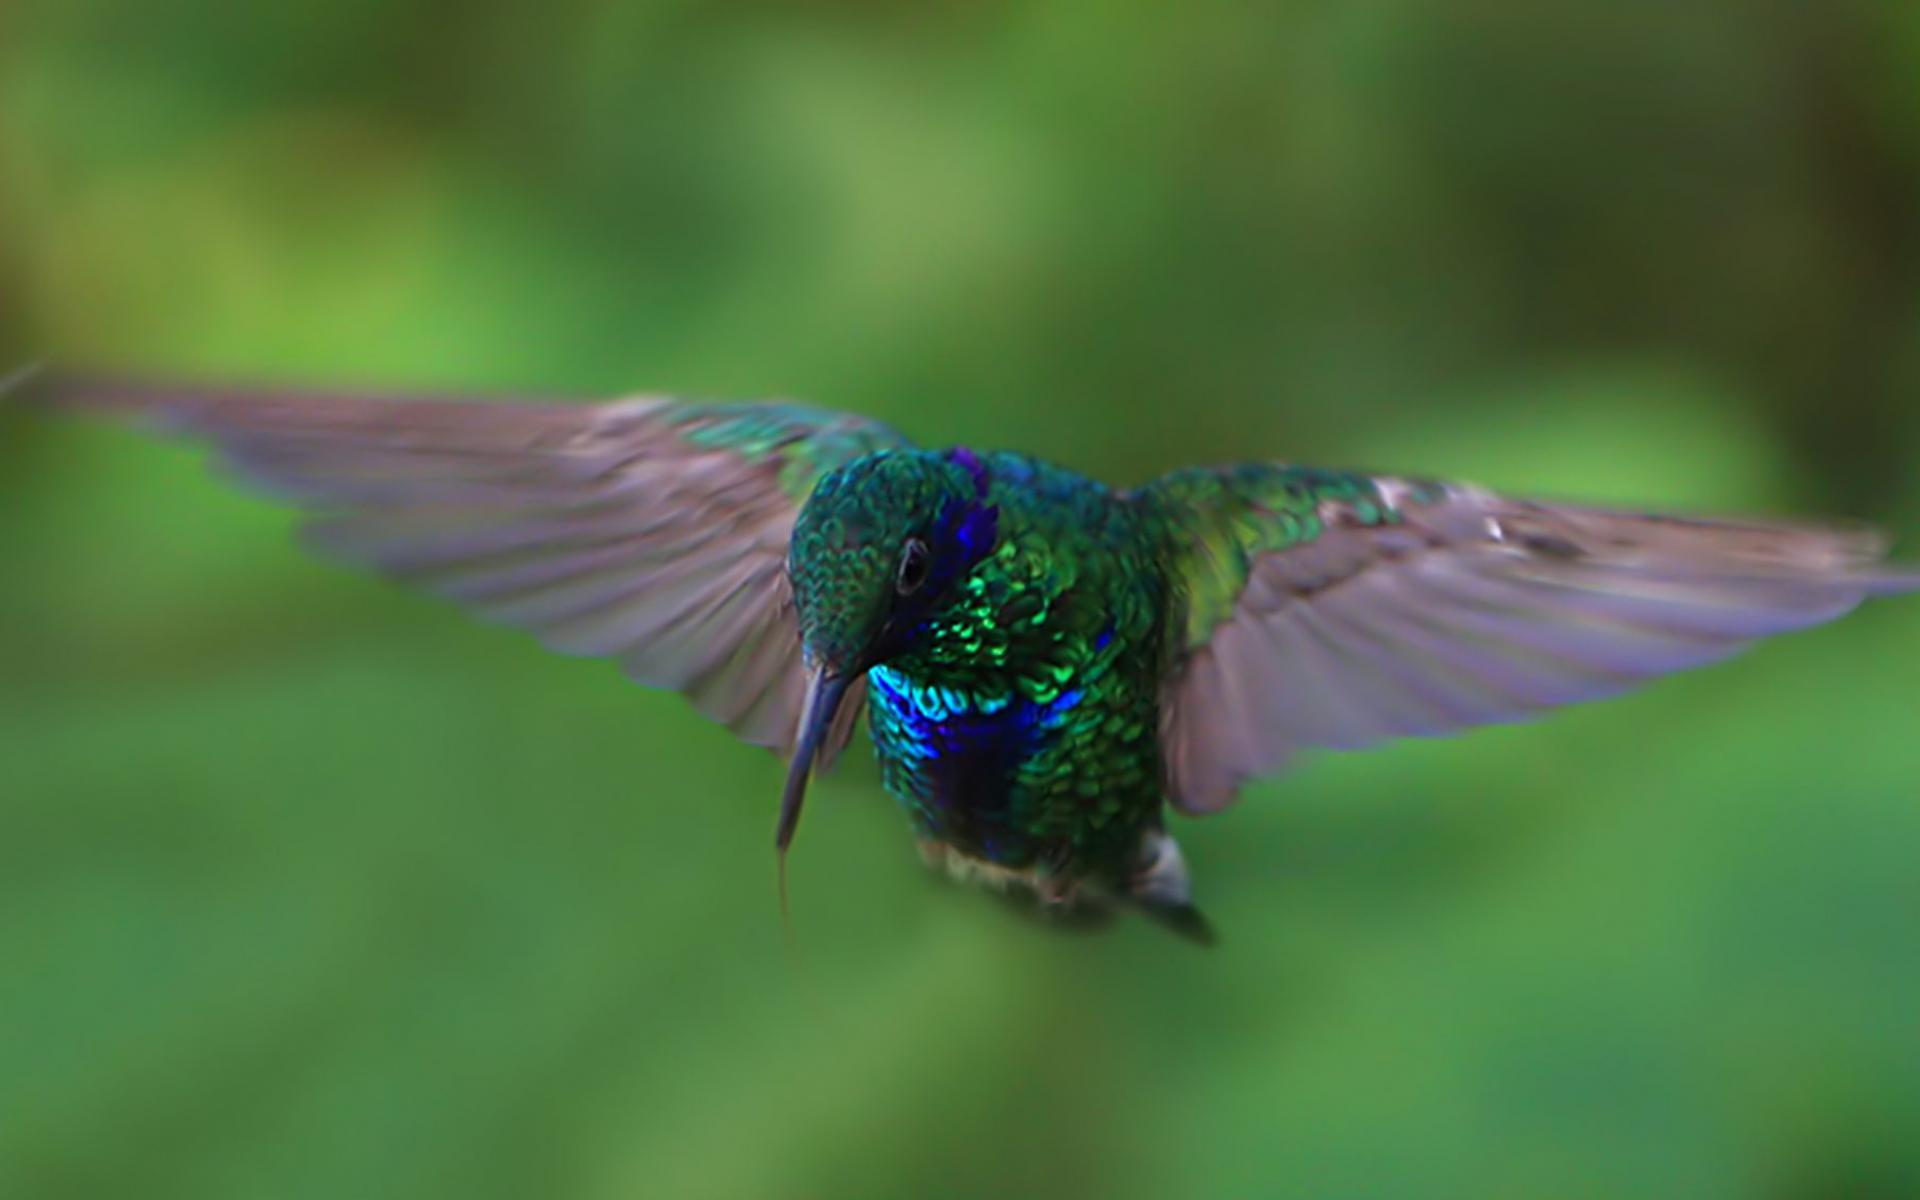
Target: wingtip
column 1894, row 581
column 13, row 385
column 51, row 386
column 40, row 384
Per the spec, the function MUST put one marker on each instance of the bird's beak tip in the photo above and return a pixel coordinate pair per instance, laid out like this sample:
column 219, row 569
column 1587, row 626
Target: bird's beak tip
column 825, row 689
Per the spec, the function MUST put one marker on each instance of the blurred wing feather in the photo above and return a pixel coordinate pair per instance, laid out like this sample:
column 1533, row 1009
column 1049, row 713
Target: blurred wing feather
column 1332, row 609
column 647, row 531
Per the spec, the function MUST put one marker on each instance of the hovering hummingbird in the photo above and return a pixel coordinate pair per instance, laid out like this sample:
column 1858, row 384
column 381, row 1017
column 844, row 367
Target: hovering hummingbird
column 1047, row 663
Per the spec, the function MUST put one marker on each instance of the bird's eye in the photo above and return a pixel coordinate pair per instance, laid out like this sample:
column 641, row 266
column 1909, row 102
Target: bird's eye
column 915, row 559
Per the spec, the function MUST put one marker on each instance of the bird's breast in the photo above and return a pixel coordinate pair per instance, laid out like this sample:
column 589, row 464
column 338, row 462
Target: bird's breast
column 1041, row 773
column 960, row 758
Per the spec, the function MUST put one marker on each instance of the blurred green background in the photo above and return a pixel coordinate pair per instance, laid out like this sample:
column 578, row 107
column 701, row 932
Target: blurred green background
column 312, row 888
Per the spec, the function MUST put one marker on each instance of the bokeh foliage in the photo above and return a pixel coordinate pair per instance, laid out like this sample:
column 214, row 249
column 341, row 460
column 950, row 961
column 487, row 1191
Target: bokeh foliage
column 310, row 888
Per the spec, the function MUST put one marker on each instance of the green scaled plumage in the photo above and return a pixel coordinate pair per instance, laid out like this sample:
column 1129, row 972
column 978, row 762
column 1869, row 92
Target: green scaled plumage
column 1220, row 520
column 1018, row 726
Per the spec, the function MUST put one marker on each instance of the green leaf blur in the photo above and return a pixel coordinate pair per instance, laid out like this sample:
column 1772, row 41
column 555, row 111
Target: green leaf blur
column 308, row 887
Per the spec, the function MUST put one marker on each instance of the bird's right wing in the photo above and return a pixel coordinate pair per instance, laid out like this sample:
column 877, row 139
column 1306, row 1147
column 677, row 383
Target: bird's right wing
column 1337, row 609
column 646, row 530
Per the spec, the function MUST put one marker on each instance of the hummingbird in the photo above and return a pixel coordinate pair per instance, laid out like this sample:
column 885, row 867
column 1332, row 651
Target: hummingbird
column 1048, row 665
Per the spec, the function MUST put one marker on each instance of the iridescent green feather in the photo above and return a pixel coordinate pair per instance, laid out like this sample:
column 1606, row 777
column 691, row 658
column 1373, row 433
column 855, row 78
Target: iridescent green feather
column 811, row 442
column 1219, row 518
column 1054, row 641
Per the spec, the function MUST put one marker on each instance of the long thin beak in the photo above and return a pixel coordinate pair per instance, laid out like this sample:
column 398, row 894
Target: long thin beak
column 825, row 690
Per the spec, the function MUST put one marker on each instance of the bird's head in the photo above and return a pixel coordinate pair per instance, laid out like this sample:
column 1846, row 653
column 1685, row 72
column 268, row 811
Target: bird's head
column 878, row 548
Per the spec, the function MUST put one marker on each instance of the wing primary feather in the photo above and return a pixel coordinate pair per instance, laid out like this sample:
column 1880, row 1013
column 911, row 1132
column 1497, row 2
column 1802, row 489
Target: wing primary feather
column 646, row 530
column 1408, row 607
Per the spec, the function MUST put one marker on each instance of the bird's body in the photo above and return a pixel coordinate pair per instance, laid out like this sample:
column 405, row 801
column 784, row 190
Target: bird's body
column 1049, row 664
column 1020, row 727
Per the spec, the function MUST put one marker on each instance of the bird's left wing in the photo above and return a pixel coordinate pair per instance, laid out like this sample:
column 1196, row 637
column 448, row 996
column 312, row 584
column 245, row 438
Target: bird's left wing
column 1335, row 609
column 645, row 530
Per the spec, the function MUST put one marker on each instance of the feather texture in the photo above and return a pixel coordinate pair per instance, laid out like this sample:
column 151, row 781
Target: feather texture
column 1330, row 609
column 647, row 531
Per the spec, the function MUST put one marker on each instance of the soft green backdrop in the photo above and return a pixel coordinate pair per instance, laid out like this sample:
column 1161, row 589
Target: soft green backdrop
column 310, row 888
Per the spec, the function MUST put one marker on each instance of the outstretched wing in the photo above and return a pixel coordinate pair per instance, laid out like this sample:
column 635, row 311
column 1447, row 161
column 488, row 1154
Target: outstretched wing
column 1334, row 609
column 643, row 530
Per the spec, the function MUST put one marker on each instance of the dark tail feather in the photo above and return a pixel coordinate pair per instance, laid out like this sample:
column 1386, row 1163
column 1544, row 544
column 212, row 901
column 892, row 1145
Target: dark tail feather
column 1185, row 920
